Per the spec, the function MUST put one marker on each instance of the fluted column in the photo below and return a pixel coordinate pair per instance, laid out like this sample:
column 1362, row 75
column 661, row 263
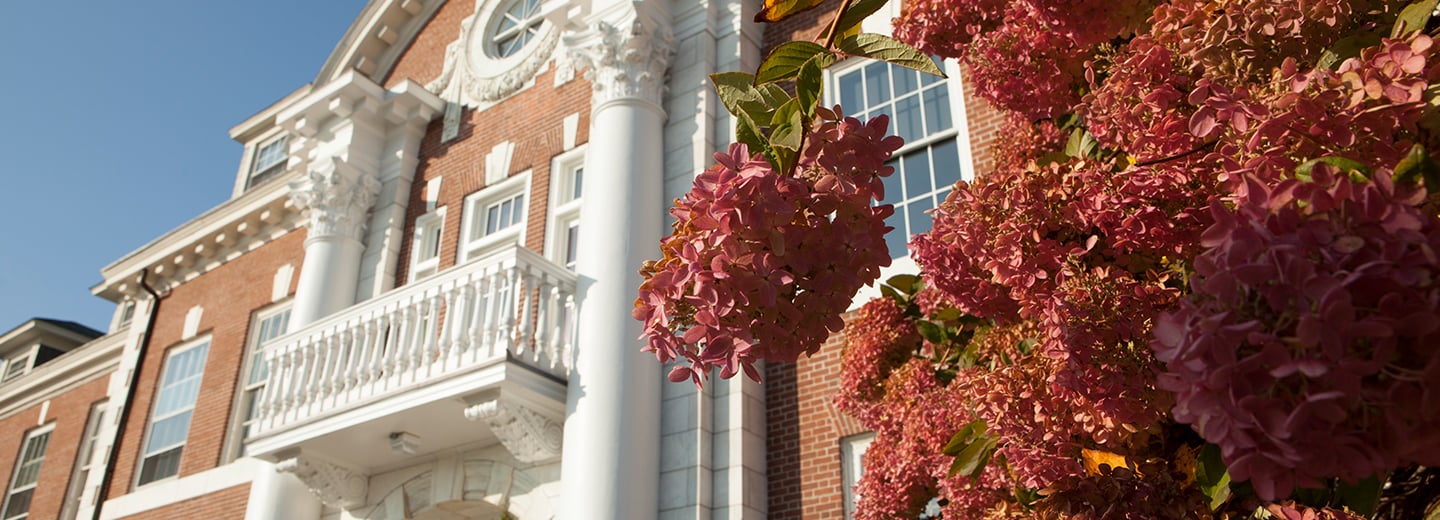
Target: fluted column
column 610, row 469
column 336, row 199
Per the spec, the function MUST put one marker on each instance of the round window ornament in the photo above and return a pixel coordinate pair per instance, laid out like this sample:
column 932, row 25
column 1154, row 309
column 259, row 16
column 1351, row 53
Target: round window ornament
column 500, row 48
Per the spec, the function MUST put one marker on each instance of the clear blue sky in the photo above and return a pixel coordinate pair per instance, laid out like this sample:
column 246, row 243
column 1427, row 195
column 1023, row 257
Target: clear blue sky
column 114, row 127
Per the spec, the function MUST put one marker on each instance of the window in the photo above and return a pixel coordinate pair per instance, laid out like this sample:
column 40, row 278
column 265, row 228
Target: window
column 269, row 161
column 494, row 216
column 265, row 327
column 920, row 111
column 425, row 250
column 27, row 473
column 517, row 25
column 852, row 449
column 127, row 312
column 170, row 420
column 567, row 183
column 83, row 461
column 18, row 365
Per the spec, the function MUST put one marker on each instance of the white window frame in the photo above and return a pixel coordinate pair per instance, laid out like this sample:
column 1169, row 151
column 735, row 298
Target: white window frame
column 564, row 209
column 145, row 453
column 84, row 461
column 20, row 464
column 254, row 168
column 430, row 226
column 852, row 453
column 474, row 215
column 258, row 336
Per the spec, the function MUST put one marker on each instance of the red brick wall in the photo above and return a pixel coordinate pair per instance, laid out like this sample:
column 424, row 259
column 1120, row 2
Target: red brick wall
column 424, row 59
column 531, row 119
column 805, row 429
column 984, row 123
column 68, row 413
column 229, row 294
column 220, row 505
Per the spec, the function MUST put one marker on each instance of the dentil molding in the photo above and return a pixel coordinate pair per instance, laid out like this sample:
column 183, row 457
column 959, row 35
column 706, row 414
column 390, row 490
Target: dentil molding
column 336, row 486
column 624, row 59
column 530, row 436
column 335, row 198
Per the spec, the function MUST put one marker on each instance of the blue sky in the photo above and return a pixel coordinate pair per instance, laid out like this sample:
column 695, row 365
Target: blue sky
column 114, row 127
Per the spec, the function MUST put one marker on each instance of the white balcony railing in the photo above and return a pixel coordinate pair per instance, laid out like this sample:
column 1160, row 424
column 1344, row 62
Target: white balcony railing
column 512, row 305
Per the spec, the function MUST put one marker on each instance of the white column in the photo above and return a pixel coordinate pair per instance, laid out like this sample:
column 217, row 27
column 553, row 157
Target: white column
column 610, row 468
column 336, row 199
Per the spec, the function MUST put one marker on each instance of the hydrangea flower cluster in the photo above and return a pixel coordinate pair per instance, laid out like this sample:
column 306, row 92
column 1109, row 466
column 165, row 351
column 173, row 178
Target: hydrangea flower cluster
column 762, row 263
column 1306, row 349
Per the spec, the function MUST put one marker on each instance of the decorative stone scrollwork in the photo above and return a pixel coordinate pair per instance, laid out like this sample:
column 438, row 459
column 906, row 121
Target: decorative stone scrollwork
column 473, row 77
column 529, row 435
column 335, row 197
column 336, row 486
column 622, row 60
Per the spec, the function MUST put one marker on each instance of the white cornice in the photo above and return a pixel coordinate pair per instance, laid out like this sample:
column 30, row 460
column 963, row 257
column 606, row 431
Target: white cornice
column 205, row 242
column 374, row 42
column 264, row 120
column 52, row 379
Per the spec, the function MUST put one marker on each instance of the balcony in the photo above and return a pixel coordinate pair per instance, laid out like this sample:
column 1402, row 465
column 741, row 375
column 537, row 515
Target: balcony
column 412, row 372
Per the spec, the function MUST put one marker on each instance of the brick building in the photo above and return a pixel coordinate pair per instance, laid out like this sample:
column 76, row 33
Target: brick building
column 397, row 314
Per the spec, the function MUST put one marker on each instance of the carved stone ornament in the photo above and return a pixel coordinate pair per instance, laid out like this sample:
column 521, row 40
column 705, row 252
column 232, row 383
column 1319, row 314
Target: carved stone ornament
column 529, row 435
column 335, row 197
column 622, row 60
column 473, row 76
column 336, row 486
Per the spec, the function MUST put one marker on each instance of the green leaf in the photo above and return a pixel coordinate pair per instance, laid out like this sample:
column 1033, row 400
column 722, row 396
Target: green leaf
column 1304, row 171
column 776, row 10
column 1413, row 18
column 889, row 292
column 1348, row 47
column 785, row 61
column 887, row 49
column 1077, row 138
column 903, row 282
column 930, row 331
column 739, row 95
column 857, row 13
column 1416, row 167
column 948, row 314
column 971, row 460
column 1027, row 345
column 747, row 132
column 1212, row 476
column 810, row 81
column 1363, row 497
column 962, row 438
column 786, row 130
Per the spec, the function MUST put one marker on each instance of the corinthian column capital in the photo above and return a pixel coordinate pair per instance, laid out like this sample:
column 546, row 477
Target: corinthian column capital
column 624, row 56
column 335, row 197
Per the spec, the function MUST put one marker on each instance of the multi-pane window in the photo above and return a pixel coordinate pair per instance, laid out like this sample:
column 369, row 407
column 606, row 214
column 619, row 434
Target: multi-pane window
column 519, row 24
column 170, row 419
column 920, row 111
column 27, row 473
column 83, row 462
column 266, row 327
column 500, row 216
column 852, row 450
column 493, row 216
column 270, row 160
column 567, row 214
column 425, row 250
